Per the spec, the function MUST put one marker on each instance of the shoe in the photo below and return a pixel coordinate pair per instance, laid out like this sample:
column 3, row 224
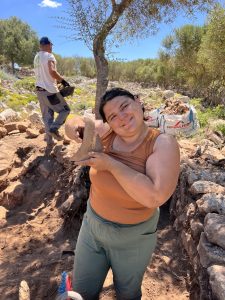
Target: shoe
column 55, row 134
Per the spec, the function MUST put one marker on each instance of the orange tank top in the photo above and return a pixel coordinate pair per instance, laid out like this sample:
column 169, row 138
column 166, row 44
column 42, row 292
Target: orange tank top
column 107, row 197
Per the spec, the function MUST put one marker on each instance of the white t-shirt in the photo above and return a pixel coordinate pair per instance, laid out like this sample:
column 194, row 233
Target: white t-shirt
column 43, row 77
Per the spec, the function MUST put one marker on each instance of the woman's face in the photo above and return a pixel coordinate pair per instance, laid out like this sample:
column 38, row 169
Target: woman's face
column 124, row 115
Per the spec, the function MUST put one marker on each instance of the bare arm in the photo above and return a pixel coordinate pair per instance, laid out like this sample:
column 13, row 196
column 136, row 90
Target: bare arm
column 53, row 72
column 162, row 172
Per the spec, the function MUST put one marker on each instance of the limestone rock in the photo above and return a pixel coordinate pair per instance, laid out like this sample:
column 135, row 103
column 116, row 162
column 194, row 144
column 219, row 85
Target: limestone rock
column 6, row 157
column 168, row 94
column 66, row 205
column 32, row 133
column 12, row 195
column 206, row 175
column 11, row 126
column 3, row 132
column 217, row 281
column 24, row 291
column 215, row 229
column 3, row 212
column 45, row 168
column 36, row 120
column 188, row 244
column 196, row 229
column 203, row 187
column 184, row 99
column 211, row 202
column 215, row 138
column 32, row 106
column 22, row 126
column 8, row 115
column 210, row 254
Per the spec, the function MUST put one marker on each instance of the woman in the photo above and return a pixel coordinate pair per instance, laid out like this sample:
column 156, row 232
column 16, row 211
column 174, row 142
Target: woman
column 136, row 173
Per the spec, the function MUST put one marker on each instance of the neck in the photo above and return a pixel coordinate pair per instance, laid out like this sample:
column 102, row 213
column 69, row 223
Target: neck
column 135, row 138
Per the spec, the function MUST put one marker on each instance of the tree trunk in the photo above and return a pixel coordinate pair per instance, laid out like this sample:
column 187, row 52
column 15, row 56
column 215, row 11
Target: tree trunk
column 13, row 68
column 102, row 69
column 101, row 62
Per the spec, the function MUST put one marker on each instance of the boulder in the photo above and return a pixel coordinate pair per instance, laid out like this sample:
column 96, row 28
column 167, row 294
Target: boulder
column 11, row 126
column 203, row 187
column 9, row 115
column 22, row 126
column 184, row 99
column 214, row 227
column 206, row 175
column 32, row 133
column 12, row 195
column 210, row 203
column 45, row 168
column 36, row 119
column 210, row 254
column 3, row 132
column 217, row 281
column 168, row 94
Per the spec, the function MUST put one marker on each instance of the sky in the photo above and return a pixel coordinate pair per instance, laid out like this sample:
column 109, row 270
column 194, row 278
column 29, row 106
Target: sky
column 40, row 15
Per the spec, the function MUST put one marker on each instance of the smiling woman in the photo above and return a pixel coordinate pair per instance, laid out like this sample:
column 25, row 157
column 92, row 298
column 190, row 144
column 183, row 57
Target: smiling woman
column 135, row 174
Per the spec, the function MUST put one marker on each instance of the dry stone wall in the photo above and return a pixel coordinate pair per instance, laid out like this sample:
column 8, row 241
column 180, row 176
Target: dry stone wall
column 198, row 211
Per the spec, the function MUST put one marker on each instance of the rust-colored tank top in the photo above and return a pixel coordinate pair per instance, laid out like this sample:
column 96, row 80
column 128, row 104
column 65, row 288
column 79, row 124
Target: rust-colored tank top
column 107, row 197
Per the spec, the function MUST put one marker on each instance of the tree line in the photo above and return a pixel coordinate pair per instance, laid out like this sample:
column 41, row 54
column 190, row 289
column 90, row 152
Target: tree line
column 191, row 60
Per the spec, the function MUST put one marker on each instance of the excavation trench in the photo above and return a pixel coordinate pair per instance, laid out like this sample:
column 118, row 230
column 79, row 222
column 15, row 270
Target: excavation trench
column 46, row 198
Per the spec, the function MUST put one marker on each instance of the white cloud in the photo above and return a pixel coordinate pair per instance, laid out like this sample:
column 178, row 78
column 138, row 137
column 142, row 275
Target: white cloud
column 49, row 3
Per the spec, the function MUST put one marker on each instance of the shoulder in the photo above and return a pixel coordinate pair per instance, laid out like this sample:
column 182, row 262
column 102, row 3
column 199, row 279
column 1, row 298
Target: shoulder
column 165, row 142
column 51, row 57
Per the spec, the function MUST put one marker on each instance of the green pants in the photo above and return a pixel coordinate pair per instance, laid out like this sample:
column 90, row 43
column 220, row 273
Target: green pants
column 102, row 245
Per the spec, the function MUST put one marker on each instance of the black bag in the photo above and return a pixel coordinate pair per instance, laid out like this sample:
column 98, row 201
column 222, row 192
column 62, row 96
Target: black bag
column 53, row 99
column 67, row 91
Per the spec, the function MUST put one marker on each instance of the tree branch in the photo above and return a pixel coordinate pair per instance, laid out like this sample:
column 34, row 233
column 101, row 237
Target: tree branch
column 117, row 11
column 113, row 3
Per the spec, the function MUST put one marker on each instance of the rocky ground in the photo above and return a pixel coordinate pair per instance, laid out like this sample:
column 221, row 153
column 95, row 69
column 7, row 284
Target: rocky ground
column 43, row 197
column 33, row 240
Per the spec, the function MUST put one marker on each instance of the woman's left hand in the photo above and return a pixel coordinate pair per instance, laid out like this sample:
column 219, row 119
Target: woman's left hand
column 98, row 160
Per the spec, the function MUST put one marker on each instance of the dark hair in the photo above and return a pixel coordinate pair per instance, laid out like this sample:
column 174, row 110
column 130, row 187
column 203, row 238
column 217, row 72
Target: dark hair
column 111, row 94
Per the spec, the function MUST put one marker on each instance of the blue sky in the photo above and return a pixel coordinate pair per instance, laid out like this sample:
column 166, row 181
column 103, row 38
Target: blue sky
column 39, row 14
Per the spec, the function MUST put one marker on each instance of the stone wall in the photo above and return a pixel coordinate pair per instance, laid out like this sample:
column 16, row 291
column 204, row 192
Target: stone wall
column 198, row 211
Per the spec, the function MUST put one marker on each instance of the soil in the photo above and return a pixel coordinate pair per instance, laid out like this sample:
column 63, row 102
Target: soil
column 33, row 241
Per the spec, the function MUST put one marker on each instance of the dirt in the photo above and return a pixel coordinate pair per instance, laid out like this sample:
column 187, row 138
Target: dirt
column 33, row 240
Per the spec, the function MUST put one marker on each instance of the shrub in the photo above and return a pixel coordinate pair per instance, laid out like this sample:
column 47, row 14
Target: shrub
column 6, row 76
column 27, row 83
column 219, row 112
column 221, row 128
column 17, row 101
column 78, row 91
column 207, row 114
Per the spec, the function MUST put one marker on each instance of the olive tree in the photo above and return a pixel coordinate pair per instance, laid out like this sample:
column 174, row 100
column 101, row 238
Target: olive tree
column 19, row 42
column 103, row 23
column 212, row 53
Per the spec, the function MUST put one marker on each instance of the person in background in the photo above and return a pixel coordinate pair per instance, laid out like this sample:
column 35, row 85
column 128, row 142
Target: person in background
column 135, row 174
column 50, row 99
